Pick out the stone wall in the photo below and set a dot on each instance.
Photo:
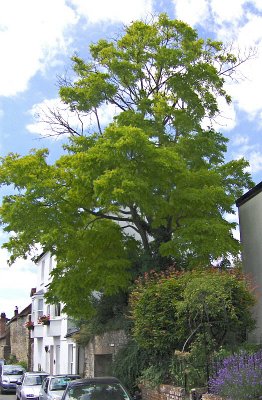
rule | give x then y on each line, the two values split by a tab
208	396
5	348
163	392
106	345
20	339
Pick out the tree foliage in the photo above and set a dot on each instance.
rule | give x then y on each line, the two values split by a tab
151	188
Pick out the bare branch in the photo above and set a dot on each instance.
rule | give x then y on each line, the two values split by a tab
57	124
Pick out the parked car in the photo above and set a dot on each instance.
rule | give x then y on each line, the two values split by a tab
107	388
29	385
10	374
53	386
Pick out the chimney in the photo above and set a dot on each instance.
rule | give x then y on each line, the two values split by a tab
16	310
3	321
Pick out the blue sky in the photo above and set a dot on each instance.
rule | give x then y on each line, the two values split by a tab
37	39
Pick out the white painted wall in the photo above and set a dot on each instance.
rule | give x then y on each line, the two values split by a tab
51	347
250	219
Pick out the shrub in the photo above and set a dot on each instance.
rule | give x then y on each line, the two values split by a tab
239	377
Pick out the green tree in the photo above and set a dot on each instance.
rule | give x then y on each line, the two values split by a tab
151	188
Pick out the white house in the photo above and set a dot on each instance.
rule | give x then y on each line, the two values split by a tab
54	350
250	223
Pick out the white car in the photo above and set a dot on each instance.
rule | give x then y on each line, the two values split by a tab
54	386
9	376
29	385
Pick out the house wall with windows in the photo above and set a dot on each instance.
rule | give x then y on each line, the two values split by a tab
250	224
54	349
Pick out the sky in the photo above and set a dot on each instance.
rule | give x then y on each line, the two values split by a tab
37	40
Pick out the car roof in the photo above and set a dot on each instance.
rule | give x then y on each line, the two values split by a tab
61	375
84	381
36	373
13	366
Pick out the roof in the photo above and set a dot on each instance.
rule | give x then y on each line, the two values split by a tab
71	332
248	195
39	293
26	311
84	381
36	373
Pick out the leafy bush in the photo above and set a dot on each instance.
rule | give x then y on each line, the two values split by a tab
192	313
129	363
170	312
240	377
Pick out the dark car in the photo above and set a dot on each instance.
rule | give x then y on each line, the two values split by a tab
106	388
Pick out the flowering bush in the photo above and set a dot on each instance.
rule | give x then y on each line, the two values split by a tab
44	319
29	325
239	378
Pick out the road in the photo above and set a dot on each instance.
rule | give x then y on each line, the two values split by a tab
7	396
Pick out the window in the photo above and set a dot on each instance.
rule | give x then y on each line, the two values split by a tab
48	310
50	264
40	306
42	271
57	310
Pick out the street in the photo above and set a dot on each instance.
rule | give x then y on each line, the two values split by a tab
7	396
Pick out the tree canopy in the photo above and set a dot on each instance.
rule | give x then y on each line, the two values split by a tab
151	188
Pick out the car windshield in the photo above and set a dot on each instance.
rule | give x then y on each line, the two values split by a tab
97	391
9	370
32	380
59	383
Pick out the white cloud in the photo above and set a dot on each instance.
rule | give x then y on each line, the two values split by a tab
240	140
213	13
114	10
237	22
255	161
227	11
32	33
225	120
191	11
16	282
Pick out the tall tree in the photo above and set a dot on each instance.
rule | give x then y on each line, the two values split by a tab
151	188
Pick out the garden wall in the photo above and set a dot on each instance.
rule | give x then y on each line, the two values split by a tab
163	392
169	392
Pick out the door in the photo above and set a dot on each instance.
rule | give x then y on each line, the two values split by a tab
51	360
103	365
57	358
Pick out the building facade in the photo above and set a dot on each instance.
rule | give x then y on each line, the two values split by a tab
20	339
250	224
5	348
55	351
